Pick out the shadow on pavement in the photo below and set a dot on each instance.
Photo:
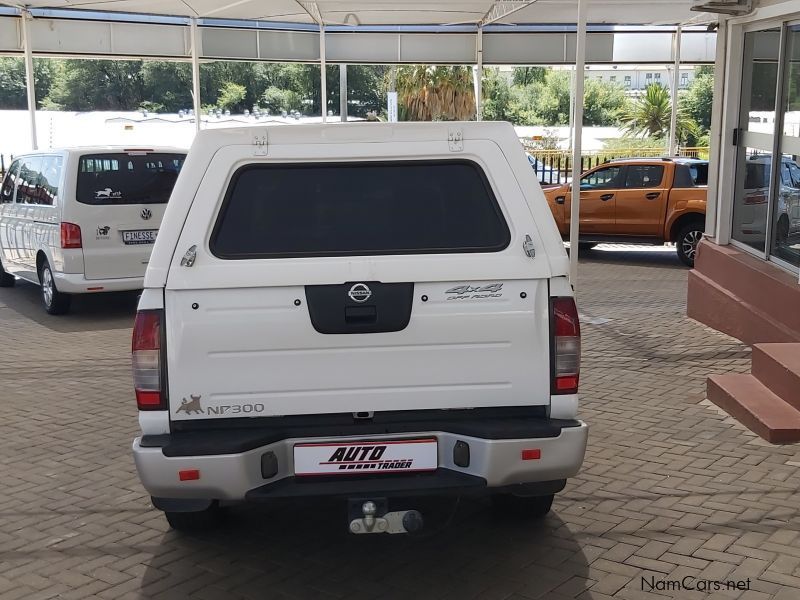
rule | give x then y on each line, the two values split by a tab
89	312
303	550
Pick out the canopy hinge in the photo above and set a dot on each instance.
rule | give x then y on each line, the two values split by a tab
455	139
260	143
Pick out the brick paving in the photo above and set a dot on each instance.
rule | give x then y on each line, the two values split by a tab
671	487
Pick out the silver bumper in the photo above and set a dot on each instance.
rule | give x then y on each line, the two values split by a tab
231	476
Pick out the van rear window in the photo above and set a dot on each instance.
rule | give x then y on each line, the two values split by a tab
122	178
351	209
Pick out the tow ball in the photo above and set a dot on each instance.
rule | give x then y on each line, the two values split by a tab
373	516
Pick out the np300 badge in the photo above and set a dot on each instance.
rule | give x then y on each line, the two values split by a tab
360	292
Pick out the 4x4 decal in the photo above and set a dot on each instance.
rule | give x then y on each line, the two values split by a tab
464	292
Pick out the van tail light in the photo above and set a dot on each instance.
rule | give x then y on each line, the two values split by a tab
71	236
146	358
566	345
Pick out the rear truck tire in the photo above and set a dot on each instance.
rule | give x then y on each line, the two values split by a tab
6	279
528	507
189	515
689	235
201	520
55	302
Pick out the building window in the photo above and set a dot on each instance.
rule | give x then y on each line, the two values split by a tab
648	76
627	81
684	79
658	76
613	78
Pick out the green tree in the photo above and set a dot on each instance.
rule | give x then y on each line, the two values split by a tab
167	86
696	102
603	102
497	97
13	90
277	99
552	104
98	85
524	76
650	116
231	97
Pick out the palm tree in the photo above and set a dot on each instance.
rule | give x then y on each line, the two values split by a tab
650	116
430	93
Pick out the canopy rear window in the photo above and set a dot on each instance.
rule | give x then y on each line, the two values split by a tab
123	178
351	209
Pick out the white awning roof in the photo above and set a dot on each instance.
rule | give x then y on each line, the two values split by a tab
386	12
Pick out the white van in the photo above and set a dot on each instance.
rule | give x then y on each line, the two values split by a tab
83	220
365	310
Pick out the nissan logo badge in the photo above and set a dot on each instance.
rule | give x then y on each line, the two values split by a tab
360	293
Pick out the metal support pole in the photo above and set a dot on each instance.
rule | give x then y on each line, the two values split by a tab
479	75
30	81
575	204
343	92
571	105
323	82
676	76
195	74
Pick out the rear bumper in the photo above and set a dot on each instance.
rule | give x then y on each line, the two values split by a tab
76	283
494	464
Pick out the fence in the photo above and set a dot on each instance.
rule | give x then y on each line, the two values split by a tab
555	166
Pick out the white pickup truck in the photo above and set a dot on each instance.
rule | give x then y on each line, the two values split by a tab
374	311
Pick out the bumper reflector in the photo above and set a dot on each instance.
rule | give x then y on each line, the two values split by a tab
532	454
189	475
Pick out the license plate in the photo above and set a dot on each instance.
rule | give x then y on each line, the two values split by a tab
140	236
358	458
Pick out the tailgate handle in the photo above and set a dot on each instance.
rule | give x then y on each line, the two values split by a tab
360	314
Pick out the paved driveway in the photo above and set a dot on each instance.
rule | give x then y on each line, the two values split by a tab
670	488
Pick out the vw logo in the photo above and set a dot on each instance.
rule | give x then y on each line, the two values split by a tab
360	293
146	214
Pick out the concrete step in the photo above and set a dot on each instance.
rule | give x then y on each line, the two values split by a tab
755	406
777	366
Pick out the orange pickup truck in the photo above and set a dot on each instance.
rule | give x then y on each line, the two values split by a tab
638	200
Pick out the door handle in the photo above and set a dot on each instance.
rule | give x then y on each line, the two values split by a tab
560	200
606	197
652	195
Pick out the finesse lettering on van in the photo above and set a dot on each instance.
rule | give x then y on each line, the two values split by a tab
235	409
468	292
365	458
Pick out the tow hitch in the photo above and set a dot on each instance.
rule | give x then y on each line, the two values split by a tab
372	516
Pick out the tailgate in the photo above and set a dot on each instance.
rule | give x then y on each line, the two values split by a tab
256	352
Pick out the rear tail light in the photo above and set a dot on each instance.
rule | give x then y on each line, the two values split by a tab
71	236
146	358
755	199
566	345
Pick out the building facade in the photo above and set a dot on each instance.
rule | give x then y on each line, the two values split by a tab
746	280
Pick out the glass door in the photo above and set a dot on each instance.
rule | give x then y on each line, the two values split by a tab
785	210
756	138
